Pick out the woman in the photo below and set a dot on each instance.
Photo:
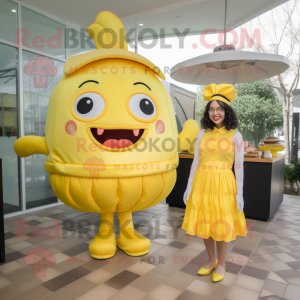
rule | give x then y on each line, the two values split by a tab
214	198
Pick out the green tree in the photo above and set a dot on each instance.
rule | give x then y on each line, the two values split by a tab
259	88
200	104
258	110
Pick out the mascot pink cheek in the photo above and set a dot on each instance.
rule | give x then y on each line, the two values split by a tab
160	127
71	127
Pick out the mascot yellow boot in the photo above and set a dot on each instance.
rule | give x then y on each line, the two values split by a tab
110	137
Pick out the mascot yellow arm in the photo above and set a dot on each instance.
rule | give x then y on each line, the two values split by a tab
187	137
29	145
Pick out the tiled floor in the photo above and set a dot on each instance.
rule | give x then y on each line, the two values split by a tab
265	265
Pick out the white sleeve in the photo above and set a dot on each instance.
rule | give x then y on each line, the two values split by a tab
195	163
238	142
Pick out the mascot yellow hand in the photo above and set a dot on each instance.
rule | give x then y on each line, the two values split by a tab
29	145
110	137
187	137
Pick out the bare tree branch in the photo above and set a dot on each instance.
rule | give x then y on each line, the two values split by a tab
285	26
275	87
280	34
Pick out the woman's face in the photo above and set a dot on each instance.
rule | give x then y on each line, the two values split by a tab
216	113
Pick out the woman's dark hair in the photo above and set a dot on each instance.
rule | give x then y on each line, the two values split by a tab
230	120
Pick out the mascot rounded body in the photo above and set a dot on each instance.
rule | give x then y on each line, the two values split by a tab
110	138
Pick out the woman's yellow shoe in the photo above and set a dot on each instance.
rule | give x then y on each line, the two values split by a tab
217	277
204	271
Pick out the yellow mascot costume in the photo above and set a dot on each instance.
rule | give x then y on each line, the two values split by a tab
102	122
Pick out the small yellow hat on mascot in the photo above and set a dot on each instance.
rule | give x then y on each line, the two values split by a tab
110	137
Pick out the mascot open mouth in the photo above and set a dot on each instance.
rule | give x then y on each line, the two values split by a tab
117	138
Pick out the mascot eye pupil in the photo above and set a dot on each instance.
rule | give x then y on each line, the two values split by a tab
142	106
85	105
89	105
146	107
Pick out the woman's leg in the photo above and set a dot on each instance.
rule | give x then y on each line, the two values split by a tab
210	245
222	253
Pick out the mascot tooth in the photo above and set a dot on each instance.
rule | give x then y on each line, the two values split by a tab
102	122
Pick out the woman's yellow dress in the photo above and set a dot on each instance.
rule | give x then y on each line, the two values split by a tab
211	209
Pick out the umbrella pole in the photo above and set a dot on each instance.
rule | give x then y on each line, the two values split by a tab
137	35
225	22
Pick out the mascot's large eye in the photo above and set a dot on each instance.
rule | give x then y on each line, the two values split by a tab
142	106
89	105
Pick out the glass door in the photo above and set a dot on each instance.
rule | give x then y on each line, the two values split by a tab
9	128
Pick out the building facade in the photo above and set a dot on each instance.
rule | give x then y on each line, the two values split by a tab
34	47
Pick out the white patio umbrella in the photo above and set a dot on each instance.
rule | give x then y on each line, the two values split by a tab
229	66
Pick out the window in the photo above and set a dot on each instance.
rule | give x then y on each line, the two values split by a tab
9	128
79	42
42	33
40	76
8	20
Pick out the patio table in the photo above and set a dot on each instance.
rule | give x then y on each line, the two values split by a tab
263	185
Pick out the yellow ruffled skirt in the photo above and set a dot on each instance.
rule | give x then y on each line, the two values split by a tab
211	210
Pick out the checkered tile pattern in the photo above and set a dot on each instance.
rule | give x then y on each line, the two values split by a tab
47	258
